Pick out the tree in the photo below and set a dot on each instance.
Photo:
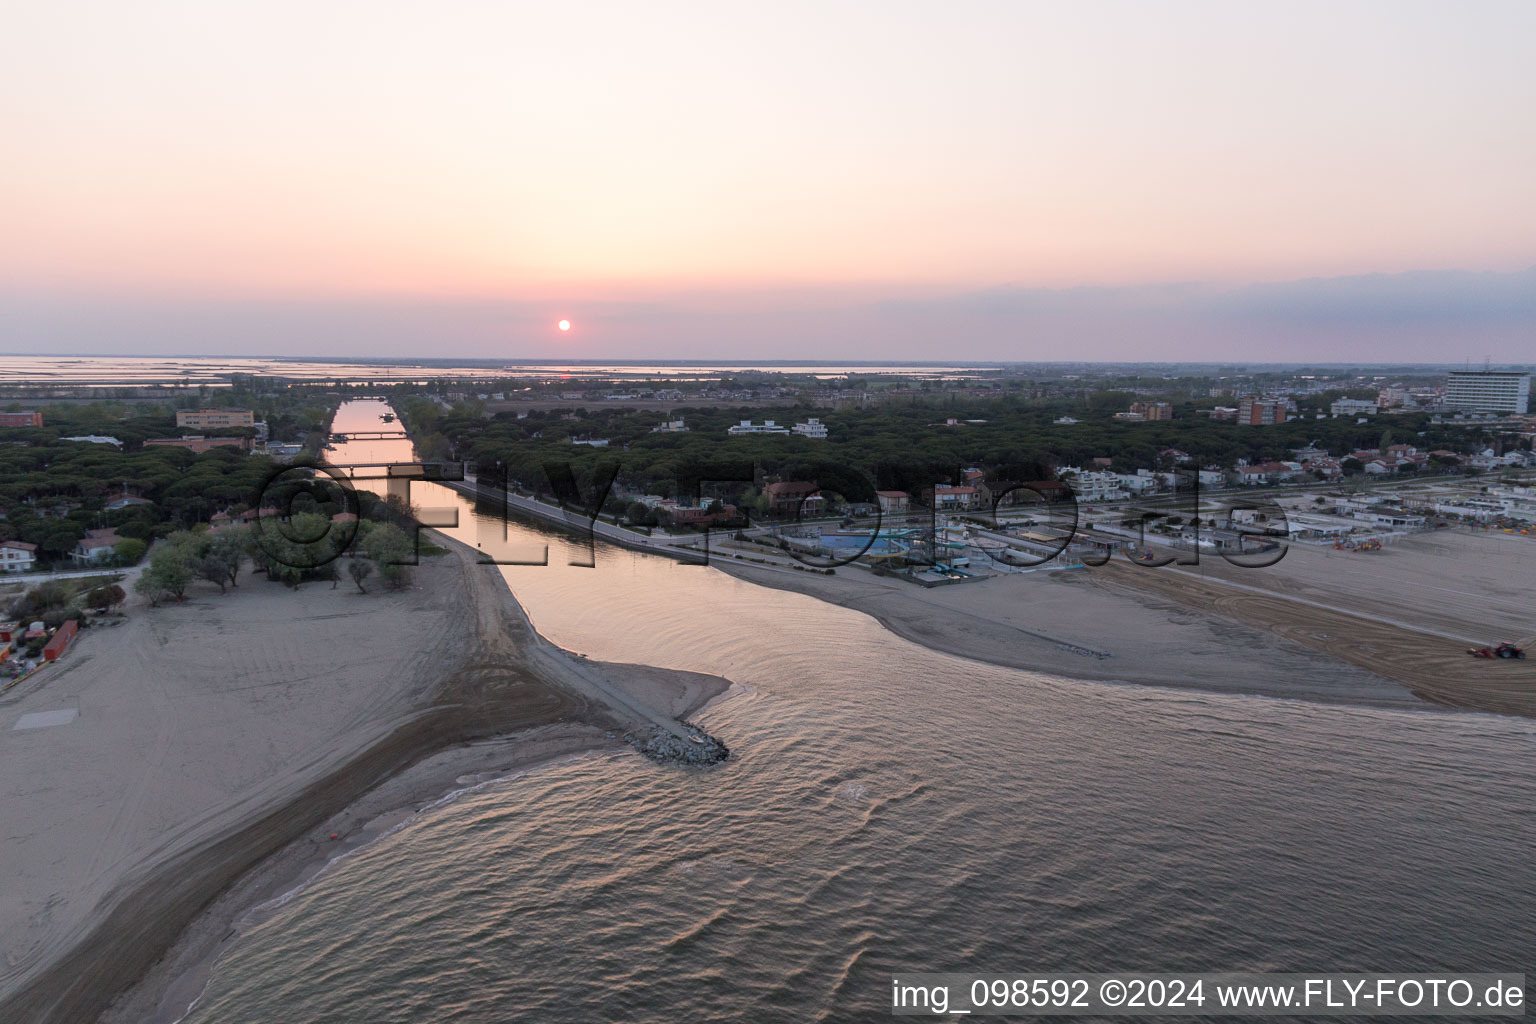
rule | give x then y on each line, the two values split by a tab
209	567
297	550
168	576
129	550
35	603
390	549
56	538
359	570
106	597
220	561
1353	466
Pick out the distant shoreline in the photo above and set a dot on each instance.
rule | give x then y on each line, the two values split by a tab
484	362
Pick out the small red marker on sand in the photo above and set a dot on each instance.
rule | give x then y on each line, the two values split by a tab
335	835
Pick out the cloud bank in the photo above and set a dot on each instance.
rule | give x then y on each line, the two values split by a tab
1429	316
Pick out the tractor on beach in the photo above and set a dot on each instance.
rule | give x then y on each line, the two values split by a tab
1503	650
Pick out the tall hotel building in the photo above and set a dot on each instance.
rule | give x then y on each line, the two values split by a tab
1489	391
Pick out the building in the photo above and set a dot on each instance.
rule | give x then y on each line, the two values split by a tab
1325	467
1025	492
1353	407
695	515
211	419
812	428
21	419
748	427
117	501
1386	515
1488	391
591	442
1212	477
1064	421
95	547
198	443
671	427
17	556
948	499
1260	412
1153	410
1093	484
95	439
56	508
794	497
1267	473
893	501
278	451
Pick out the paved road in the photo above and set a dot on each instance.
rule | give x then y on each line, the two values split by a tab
38	577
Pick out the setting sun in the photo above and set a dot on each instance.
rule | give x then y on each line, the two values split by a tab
564	325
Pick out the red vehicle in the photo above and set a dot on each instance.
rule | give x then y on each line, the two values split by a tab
1504	650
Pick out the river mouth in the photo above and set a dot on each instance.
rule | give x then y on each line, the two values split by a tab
891	808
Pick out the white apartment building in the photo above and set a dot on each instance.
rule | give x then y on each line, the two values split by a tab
811	428
748	427
17	556
1136	483
1489	391
1096	486
1353	407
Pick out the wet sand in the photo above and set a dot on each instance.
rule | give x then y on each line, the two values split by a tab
1387	628
220	742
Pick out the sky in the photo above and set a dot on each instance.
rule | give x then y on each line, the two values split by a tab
1025	180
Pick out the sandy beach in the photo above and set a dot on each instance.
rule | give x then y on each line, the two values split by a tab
215	746
1387	628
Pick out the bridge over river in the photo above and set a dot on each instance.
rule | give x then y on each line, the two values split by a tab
370	435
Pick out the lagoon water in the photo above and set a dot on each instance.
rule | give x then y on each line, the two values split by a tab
890	809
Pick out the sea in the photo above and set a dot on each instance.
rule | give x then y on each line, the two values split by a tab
889	809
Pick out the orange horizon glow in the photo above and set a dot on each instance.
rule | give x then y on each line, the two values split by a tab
746	164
